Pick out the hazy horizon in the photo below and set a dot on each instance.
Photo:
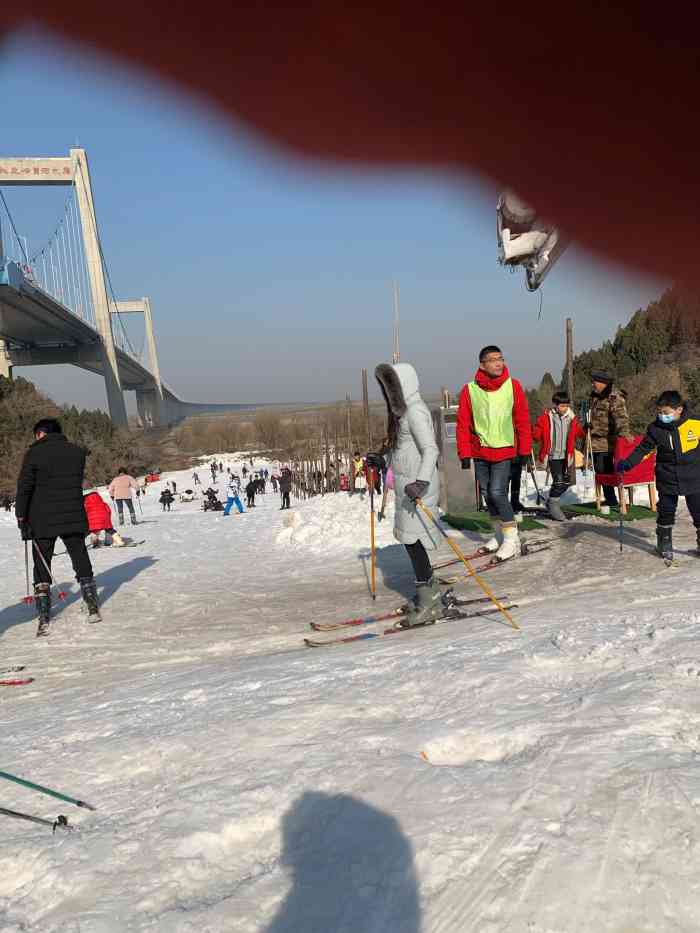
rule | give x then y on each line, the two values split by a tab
271	279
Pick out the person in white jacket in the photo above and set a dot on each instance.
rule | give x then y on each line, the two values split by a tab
120	490
412	456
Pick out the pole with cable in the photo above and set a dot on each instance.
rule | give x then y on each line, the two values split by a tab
472	573
370	479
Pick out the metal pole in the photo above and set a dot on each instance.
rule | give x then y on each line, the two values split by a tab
365	405
570	359
397	349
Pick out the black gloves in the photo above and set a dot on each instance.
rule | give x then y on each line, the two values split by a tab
466	463
25	529
416	489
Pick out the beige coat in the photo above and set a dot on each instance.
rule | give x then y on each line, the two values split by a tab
121	486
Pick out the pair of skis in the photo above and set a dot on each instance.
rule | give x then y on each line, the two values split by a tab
453	612
14	682
528	550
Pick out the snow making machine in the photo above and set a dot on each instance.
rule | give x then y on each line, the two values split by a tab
457	486
526	240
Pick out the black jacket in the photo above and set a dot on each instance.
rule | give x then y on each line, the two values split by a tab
50	488
286	481
677	448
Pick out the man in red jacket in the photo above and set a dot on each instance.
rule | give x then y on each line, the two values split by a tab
493	428
557	431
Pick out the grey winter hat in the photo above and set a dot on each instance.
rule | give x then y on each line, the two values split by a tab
599	376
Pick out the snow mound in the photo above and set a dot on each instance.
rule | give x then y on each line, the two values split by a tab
336	522
465	746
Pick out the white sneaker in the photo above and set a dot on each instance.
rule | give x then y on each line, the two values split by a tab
511	542
493	544
519	517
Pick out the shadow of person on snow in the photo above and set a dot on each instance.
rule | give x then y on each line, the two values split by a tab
108	582
352	869
394	567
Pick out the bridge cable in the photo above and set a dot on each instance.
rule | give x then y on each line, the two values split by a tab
14	228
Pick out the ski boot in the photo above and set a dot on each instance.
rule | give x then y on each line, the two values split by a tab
89	590
94	541
427	608
511	542
664	542
555	510
117	540
493	544
42	597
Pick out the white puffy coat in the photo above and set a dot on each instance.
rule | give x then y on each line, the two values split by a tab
415	455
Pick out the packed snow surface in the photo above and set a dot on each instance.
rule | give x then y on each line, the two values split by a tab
464	777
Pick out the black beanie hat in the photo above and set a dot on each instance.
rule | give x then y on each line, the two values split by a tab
599	376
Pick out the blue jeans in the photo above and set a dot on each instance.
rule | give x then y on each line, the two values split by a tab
231	501
493	480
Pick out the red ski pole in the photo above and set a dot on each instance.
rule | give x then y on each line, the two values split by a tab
28	599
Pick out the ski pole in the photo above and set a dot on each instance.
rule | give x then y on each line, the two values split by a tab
465	561
45	790
60	821
385	492
531	467
373	544
29	599
61	593
620	494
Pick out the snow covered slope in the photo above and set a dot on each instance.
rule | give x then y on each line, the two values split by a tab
460	778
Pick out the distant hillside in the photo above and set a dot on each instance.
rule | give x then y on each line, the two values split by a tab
22	405
659	348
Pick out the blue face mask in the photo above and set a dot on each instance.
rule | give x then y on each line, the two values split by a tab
666	419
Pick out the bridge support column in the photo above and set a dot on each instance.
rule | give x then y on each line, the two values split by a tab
5	364
98	287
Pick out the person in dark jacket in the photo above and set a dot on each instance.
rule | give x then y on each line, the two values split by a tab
607	420
250	491
675	436
286	487
49	506
166	499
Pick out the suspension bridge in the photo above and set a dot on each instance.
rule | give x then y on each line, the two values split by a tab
58	306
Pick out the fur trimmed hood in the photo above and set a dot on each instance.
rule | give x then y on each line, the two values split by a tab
399	382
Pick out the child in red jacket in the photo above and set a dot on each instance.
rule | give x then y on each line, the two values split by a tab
99	516
557	431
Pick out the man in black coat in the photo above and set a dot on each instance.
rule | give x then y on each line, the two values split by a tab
285	487
50	505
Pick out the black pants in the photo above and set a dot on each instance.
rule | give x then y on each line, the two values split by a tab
422	568
560	478
516	477
251	502
666	509
75	545
605	463
285	500
120	509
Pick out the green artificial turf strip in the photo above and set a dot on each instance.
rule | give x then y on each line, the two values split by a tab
480	521
634	512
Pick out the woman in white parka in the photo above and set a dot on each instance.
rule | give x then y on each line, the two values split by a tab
412	454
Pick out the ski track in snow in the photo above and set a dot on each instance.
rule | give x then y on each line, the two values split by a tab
458	778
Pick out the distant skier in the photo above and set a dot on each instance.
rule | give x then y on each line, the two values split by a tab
412	455
49	504
99	518
174	484
250	491
120	490
557	431
232	498
285	487
273	480
244	471
166	499
196	479
675	436
493	428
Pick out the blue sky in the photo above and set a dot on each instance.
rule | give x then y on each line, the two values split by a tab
270	280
